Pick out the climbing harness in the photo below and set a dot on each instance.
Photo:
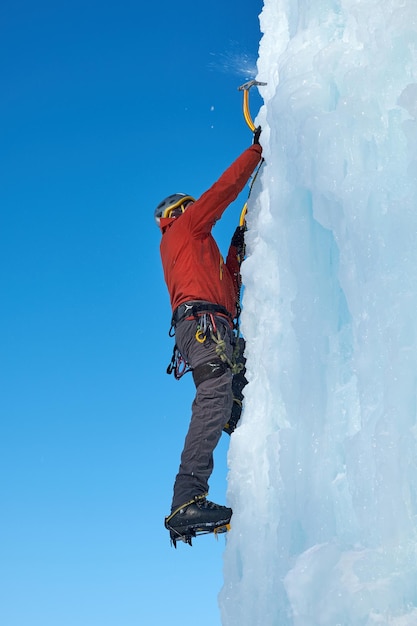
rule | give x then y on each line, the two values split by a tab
194	307
207	329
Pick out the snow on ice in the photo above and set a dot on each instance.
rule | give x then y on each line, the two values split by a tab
323	468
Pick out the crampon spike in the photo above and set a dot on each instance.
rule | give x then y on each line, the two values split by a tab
190	534
221	529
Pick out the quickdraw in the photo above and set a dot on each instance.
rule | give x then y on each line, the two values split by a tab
178	365
203	326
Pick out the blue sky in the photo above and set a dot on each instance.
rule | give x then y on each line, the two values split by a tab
106	108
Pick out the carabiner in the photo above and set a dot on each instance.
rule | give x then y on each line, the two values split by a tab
200	335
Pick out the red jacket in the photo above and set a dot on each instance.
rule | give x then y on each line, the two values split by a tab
193	267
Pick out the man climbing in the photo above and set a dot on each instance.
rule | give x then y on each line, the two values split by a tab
203	290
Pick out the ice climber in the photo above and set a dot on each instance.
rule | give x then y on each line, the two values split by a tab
203	290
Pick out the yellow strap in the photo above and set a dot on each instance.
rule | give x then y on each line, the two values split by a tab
201	497
221	529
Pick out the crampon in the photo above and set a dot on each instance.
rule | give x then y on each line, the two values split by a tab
188	534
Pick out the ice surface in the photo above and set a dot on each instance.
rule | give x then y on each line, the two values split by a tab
323	468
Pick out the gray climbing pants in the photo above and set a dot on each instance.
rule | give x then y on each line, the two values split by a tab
210	410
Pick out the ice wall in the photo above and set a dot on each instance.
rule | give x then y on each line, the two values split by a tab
323	468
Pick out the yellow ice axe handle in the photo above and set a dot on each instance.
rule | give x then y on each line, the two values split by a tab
246	112
243	214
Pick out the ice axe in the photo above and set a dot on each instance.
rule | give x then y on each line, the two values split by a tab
245	88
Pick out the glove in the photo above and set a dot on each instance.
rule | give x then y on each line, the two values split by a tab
238	241
257	134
